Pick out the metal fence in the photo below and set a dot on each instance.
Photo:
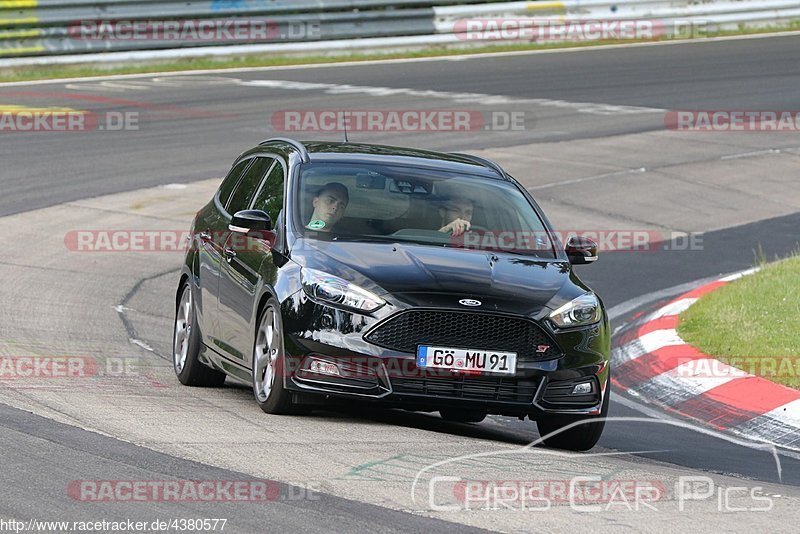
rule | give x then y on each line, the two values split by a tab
710	15
77	27
47	27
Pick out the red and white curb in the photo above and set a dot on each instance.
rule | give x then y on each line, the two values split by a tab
653	362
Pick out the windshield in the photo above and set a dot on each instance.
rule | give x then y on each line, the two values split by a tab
397	203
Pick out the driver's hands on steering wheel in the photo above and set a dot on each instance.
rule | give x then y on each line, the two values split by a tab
457	227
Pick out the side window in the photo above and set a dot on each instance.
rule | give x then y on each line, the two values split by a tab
270	196
230	181
246	189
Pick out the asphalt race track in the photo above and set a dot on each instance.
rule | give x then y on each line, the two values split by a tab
594	150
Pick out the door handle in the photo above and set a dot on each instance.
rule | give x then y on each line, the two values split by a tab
230	254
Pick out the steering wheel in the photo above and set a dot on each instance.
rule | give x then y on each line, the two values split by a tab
477	228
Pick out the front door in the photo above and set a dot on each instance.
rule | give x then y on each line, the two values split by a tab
247	264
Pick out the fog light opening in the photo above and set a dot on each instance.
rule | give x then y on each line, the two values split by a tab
321	367
584	388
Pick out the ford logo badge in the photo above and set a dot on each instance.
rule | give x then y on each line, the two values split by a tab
470	302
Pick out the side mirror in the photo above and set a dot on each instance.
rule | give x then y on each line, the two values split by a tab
247	221
581	250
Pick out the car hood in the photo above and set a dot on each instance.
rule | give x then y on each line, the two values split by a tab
419	275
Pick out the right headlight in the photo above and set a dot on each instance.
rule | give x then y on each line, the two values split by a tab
334	290
582	311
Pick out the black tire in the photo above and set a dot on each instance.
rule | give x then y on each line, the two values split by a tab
457	415
277	400
186	337
580	437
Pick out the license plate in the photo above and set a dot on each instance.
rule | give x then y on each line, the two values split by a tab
485	361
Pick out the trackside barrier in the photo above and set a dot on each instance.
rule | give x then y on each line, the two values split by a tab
49	27
694	16
121	30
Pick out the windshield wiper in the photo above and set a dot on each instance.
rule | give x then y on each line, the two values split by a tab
385	239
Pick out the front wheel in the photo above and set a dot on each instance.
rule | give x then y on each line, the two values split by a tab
269	363
581	437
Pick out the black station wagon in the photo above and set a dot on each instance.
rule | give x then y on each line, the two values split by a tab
416	279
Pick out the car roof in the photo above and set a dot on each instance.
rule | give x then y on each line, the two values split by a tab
319	151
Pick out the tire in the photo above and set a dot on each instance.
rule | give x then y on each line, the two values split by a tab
269	362
456	415
186	345
580	437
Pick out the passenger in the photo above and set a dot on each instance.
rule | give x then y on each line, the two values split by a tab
329	204
456	215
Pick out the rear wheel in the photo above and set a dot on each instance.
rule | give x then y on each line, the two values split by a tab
269	363
186	345
457	415
581	437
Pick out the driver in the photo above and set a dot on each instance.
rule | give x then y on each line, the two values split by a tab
329	204
456	215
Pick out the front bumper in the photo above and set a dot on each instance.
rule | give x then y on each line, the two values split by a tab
335	339
420	389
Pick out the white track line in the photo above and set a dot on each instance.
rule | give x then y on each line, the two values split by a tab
646	344
673	308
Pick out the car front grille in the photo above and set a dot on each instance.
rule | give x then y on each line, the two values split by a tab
485	388
456	329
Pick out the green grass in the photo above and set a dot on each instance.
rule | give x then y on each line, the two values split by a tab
271	60
752	323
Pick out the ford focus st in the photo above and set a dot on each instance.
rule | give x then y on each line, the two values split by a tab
420	280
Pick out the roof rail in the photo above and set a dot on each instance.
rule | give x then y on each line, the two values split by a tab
296	144
485	162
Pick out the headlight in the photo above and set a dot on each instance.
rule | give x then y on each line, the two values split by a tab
329	288
582	311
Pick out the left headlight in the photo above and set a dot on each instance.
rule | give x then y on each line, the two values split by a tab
582	311
332	289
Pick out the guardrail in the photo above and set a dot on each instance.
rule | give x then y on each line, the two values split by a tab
707	15
141	29
46	27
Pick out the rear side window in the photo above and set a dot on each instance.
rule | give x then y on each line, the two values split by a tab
270	196
230	181
248	185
